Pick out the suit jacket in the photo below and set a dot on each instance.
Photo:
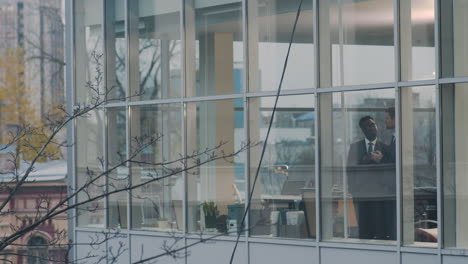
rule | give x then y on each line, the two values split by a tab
358	155
391	153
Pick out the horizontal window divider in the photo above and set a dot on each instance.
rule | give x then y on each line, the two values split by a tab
420	250
213	98
122	104
453	80
154	102
356	87
359	246
161	234
214	237
455	252
283	92
283	241
416	83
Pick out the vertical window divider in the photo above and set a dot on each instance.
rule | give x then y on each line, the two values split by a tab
398	172
245	38
183	117
316	52
128	117
438	106
106	85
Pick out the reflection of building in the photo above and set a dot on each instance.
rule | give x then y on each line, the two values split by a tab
46	185
209	71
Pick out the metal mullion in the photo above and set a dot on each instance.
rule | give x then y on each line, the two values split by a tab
285	92
71	128
440	220
104	111
452	80
128	119
416	83
212	98
356	87
245	36
316	29
398	171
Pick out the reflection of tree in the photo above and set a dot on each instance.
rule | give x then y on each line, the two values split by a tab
150	66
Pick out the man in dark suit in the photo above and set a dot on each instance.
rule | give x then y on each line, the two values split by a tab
369	150
367	183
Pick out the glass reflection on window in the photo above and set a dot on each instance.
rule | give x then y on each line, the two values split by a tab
283	203
358	166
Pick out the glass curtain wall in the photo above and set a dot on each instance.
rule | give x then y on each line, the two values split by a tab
216	190
155	60
271	23
419	170
368	121
157	204
358	173
356	42
283	203
215	47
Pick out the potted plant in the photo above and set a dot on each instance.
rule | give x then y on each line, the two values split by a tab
210	210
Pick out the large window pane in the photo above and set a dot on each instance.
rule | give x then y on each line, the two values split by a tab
117	178
155	26
454	38
89	152
116	49
88	47
271	23
419	179
455	164
214	47
216	190
157	205
283	203
417	40
356	42
357	166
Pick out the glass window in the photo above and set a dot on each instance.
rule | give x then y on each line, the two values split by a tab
88	47
455	164
358	182
216	190
270	27
454	38
118	178
417	40
155	26
419	174
89	152
215	50
283	203
157	205
116	49
356	42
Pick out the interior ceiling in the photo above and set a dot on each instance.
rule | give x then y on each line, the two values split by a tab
364	22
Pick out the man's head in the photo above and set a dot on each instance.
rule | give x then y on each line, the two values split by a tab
390	118
368	127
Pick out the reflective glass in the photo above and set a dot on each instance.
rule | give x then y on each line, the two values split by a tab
88	44
117	178
283	203
358	182
157	204
216	190
417	40
356	42
215	50
455	164
419	179
454	38
89	152
116	49
155	26
270	26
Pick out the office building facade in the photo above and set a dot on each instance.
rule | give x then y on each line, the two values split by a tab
365	158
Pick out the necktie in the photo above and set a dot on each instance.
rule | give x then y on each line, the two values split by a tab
369	149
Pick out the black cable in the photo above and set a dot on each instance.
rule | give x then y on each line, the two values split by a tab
268	132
